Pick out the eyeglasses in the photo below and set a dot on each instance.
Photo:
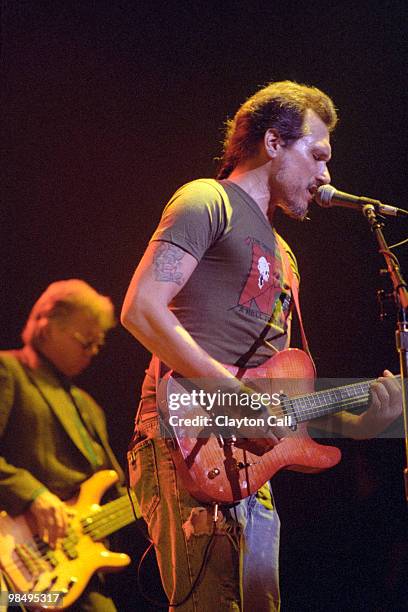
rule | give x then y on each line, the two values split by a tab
88	345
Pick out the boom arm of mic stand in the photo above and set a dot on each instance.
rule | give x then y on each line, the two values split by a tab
401	333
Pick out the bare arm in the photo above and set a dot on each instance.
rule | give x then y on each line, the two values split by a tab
160	275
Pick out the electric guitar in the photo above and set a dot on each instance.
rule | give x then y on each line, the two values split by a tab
31	566
220	467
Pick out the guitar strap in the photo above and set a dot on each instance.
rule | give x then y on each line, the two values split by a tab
294	288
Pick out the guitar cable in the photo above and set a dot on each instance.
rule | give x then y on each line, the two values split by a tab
196	581
206	556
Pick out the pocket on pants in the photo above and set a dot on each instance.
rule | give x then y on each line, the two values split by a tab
143	477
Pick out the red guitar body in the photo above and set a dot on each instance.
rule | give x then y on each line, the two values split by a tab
214	471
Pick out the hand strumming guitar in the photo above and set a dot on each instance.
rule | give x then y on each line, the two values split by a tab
51	516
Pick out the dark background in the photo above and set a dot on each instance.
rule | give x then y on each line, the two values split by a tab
108	107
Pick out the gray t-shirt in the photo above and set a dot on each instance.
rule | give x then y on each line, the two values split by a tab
239	291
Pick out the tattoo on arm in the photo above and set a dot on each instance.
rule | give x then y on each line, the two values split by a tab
167	262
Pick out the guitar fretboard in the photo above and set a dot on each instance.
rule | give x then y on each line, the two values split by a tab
109	518
323	403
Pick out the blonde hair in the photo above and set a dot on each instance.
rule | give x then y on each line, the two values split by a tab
61	299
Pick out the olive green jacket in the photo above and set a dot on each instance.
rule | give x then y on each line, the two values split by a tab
40	446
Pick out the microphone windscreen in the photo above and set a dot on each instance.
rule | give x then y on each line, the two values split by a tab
324	195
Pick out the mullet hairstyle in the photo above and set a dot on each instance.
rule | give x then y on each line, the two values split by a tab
61	299
281	105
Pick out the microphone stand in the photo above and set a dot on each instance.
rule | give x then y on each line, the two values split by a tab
401	333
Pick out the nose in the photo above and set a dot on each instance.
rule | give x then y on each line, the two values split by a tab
324	177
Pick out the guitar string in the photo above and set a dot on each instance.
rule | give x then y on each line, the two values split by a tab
312	413
327	396
346	392
342	389
45	553
327	392
351	405
42	553
363	385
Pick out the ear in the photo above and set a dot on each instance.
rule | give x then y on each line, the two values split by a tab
272	142
43	328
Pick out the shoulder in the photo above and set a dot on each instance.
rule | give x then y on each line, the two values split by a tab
11	379
202	186
10	362
195	217
198	195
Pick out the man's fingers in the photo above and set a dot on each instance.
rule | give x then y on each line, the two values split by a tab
51	516
392	382
393	387
41	531
379	395
58	524
386	398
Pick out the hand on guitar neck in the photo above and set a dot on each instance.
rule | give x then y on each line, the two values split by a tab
384	407
386	400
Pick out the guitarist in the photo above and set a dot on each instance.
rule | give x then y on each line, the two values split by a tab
53	434
213	288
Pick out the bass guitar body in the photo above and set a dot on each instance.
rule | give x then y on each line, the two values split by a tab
33	568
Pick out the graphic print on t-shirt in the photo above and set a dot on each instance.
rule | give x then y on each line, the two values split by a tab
264	283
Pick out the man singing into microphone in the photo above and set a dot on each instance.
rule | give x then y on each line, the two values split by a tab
214	287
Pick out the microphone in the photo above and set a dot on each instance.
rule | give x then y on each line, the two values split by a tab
327	196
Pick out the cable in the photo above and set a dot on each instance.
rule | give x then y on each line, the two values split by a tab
196	581
206	555
398	244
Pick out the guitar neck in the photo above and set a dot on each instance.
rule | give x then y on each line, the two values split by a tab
331	401
109	518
